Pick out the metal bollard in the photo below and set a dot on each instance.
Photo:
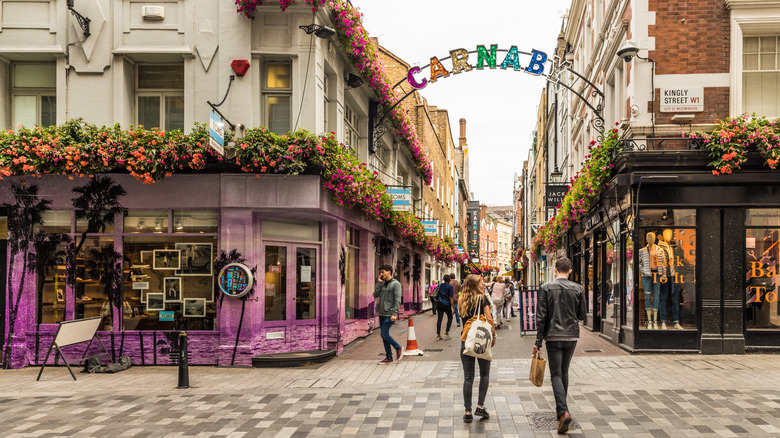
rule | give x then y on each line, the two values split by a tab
184	372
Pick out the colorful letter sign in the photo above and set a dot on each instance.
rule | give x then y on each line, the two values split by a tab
235	280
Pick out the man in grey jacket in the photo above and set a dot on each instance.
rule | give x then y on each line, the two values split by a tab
388	290
560	306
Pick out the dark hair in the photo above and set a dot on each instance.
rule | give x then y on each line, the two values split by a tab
563	265
452	277
446	279
387	268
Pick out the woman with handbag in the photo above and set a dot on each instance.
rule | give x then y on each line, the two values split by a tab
474	305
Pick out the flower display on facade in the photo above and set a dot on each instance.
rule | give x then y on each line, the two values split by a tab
585	188
77	148
732	138
248	7
362	53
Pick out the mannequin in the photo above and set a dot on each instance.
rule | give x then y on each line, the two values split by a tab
676	285
653	266
666	287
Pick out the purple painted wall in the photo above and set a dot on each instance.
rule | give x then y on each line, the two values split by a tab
243	201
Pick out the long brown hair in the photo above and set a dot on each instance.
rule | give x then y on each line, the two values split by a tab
469	295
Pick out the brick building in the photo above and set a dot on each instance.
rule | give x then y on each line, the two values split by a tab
682	66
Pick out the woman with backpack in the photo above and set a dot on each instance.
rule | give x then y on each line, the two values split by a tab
473	301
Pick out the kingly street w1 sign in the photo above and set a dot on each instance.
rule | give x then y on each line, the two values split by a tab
682	99
217	133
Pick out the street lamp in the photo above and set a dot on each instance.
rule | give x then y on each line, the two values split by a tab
629	51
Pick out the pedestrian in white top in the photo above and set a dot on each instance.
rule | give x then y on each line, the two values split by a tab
497	294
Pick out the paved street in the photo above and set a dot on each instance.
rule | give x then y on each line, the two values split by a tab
613	394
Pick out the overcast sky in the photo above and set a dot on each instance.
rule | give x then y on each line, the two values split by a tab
499	105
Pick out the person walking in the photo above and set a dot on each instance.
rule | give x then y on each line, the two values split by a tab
510	294
444	304
432	296
498	294
455	291
388	290
472	301
560	307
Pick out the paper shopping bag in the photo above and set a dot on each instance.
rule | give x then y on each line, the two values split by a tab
537	369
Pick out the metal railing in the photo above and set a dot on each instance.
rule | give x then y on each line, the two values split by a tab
658	144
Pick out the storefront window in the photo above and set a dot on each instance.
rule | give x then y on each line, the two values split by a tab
49	271
146	221
94	263
275	283
761	269
629	264
589	285
169	282
612	283
54	222
352	274
305	285
195	221
667	268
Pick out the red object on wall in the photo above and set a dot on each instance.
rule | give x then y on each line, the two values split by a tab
240	66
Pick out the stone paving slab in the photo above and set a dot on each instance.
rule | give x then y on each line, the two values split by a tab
610	396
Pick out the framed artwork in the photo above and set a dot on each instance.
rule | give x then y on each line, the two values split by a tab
144	292
172	289
155	301
196	258
194	307
146	257
166	259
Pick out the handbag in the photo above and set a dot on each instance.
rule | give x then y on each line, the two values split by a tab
537	369
479	338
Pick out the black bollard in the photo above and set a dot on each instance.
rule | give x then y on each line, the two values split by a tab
184	371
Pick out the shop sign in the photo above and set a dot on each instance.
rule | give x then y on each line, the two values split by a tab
216	133
402	199
165	315
140	285
554	195
682	99
431	227
235	280
486	57
276	269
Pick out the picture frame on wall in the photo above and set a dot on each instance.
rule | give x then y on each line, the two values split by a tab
172	289
155	301
194	307
196	259
166	260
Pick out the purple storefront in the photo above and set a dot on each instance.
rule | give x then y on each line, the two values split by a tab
315	270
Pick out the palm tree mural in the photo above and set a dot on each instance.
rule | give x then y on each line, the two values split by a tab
23	216
48	255
104	265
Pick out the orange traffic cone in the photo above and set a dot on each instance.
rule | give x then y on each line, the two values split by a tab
411	342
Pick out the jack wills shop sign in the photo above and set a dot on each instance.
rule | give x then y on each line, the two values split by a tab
554	195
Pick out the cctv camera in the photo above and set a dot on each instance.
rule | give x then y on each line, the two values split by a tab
628	51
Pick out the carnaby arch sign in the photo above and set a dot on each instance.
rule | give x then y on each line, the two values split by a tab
419	77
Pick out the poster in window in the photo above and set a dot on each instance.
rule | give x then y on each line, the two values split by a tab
155	302
196	259
194	307
172	288
167	259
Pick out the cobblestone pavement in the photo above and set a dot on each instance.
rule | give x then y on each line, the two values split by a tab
612	394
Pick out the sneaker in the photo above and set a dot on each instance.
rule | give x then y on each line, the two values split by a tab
563	423
447	335
384	361
399	354
468	418
677	326
482	413
663	326
438	337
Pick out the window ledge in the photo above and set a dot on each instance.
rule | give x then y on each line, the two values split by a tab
751	4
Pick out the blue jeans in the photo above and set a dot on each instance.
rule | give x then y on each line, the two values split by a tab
647	282
666	291
385	324
457	314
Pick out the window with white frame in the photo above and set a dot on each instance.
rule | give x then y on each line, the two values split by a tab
159	95
277	96
34	94
326	104
761	75
351	130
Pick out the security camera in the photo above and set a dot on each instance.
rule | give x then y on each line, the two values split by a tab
628	51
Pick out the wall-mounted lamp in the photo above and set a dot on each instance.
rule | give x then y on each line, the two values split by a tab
630	50
319	30
682	118
352	81
83	21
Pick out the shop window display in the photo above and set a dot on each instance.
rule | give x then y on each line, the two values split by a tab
169	282
667	270
612	283
352	274
761	269
629	266
275	283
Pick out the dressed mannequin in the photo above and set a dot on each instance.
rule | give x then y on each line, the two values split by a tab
676	283
653	266
666	287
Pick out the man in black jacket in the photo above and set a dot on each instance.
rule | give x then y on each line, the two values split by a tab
560	306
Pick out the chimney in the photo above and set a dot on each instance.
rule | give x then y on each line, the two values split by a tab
462	140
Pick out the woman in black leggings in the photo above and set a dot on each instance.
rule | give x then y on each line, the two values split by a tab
472	299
